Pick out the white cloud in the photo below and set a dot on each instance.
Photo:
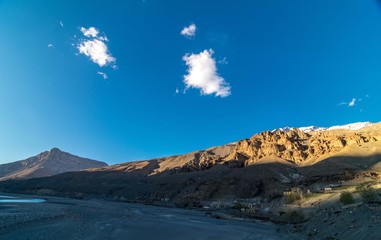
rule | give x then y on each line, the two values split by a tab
97	51
90	32
104	75
95	48
352	103
189	31
177	91
202	74
61	24
50	45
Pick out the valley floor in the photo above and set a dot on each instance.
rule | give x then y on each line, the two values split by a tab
62	218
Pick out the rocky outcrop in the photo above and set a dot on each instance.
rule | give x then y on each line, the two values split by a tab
297	146
45	164
292	145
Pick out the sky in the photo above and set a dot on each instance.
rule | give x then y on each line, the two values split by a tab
121	81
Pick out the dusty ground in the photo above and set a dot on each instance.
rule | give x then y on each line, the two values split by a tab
61	218
329	219
352	223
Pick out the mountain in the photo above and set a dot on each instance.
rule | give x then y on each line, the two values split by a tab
300	146
303	148
45	164
262	166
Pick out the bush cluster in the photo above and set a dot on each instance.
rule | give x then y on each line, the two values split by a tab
296	194
368	194
346	198
295	216
238	206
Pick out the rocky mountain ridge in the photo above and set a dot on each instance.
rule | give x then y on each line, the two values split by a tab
298	146
262	166
294	146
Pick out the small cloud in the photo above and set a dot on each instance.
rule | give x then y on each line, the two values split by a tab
95	48
202	74
189	31
104	75
177	91
356	102
97	51
352	103
50	45
90	32
61	24
223	61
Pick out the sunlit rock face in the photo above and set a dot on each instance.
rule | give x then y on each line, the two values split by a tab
301	147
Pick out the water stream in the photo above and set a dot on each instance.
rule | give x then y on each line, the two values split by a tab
11	199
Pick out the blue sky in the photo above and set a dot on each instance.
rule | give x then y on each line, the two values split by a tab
244	67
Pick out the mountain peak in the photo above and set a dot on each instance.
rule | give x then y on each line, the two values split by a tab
55	149
47	163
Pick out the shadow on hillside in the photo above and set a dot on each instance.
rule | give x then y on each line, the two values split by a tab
341	168
216	182
191	188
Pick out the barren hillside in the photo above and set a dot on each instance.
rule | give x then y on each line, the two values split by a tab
47	163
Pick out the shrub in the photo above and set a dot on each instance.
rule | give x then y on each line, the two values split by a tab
365	185
292	197
295	216
346	198
368	194
238	205
296	194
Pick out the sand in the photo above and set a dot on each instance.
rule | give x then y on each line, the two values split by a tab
63	218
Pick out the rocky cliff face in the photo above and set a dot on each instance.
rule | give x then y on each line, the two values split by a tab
299	147
45	164
292	145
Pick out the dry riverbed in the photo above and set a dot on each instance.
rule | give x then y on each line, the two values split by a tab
62	218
